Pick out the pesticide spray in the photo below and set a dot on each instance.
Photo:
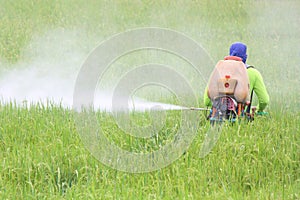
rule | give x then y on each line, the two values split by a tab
48	74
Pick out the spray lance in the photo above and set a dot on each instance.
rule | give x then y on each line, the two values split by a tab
141	104
194	108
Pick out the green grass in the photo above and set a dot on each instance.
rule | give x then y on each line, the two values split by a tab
43	157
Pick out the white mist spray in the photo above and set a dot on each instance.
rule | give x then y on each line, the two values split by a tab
49	71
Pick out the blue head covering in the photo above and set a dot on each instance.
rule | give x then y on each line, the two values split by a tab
240	50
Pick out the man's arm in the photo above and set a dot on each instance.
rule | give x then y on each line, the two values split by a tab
257	83
206	99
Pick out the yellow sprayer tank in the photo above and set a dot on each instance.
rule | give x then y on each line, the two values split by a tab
229	78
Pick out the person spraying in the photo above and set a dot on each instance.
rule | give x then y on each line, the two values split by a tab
229	89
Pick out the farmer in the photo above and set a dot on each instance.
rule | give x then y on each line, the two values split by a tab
256	81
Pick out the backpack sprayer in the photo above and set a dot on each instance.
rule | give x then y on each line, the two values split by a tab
228	89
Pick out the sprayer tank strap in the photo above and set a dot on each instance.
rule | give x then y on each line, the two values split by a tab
251	95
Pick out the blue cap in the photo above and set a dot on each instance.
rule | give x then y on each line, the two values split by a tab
240	50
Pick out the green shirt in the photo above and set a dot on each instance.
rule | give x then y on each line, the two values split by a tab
256	84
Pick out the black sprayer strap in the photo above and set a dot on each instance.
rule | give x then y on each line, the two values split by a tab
249	106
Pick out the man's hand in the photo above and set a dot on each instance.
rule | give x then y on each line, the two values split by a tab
262	113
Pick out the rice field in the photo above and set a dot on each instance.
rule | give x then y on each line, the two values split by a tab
44	156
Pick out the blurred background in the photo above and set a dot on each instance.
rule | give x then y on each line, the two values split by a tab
44	43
